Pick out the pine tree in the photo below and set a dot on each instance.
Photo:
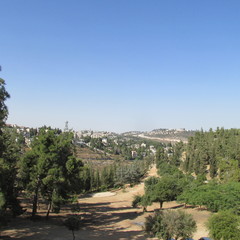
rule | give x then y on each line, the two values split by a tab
9	156
50	169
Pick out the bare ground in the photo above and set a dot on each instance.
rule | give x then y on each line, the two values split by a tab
107	216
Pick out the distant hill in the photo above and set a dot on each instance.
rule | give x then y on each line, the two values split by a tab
159	135
163	135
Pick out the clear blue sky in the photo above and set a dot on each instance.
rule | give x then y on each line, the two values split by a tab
121	65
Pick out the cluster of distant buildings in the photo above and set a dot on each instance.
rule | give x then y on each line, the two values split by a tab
105	136
166	131
94	134
114	137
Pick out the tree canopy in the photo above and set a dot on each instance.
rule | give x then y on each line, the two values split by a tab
50	168
224	225
170	224
10	153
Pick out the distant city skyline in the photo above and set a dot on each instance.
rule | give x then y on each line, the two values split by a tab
121	65
96	130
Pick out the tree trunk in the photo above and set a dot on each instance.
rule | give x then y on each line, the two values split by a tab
49	209
73	234
35	199
161	204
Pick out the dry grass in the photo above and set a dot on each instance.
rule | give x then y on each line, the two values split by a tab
109	218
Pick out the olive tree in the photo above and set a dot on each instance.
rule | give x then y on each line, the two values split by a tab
169	224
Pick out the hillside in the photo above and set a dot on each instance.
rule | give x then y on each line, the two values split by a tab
163	135
88	155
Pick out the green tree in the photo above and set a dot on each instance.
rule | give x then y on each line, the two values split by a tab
167	169
143	201
130	173
50	169
154	226
107	177
177	154
167	189
4	95
224	226
161	156
178	224
85	176
9	156
214	196
150	184
136	200
214	152
229	170
170	224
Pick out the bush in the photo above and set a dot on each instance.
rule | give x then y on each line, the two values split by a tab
170	224
136	201
224	225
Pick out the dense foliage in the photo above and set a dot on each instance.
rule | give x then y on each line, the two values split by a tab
224	226
204	172
114	175
9	156
50	169
170	224
214	196
215	151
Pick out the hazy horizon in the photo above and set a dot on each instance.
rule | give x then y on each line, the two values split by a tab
105	130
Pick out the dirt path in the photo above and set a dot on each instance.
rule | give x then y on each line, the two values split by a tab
112	217
105	216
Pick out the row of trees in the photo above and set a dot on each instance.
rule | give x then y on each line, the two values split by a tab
185	189
214	196
114	175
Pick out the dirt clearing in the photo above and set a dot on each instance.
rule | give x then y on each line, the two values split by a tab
107	216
